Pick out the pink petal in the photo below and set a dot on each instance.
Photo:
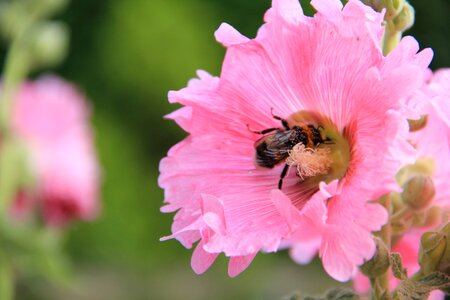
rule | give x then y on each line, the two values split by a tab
304	252
441	105
202	260
228	36
283	205
239	263
329	8
288	10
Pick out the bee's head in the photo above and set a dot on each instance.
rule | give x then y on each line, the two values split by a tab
320	137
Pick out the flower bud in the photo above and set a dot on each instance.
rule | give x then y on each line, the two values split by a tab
418	192
50	42
432	250
444	264
416	125
405	19
379	263
393	8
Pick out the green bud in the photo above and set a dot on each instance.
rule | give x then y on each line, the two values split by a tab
393	8
432	249
423	166
49	44
416	125
379	263
418	192
405	19
444	264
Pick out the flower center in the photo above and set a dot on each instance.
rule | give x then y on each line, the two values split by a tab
325	162
309	162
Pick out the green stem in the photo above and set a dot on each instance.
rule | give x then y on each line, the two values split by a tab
6	279
391	38
17	65
376	293
385	234
16	68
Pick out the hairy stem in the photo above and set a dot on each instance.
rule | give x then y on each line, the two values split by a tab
382	282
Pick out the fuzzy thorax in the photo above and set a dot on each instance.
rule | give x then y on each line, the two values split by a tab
309	162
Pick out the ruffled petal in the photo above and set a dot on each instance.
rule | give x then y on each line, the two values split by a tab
238	264
202	260
228	36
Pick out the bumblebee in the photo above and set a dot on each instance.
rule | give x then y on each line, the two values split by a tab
273	148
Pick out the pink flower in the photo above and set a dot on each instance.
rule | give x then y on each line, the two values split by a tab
52	118
433	145
327	71
433	141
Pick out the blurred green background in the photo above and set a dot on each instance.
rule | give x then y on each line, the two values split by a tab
126	56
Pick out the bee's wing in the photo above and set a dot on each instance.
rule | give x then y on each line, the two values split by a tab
280	141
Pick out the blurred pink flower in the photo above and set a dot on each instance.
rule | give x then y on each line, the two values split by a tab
327	70
432	143
52	118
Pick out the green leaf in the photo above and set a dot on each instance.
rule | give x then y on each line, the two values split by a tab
397	267
341	294
333	294
436	281
420	289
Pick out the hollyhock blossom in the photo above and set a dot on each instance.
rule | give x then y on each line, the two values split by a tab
433	141
327	71
52	119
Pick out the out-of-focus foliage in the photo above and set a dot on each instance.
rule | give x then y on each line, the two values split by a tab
126	55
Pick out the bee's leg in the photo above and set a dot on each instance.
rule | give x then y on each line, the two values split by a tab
263	131
283	121
283	174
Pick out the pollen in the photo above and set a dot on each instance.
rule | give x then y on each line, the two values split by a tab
309	162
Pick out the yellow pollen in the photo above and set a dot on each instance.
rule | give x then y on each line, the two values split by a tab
309	162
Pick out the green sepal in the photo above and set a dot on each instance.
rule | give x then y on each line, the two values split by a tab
420	289
397	266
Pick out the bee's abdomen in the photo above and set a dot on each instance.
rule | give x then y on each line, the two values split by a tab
267	157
